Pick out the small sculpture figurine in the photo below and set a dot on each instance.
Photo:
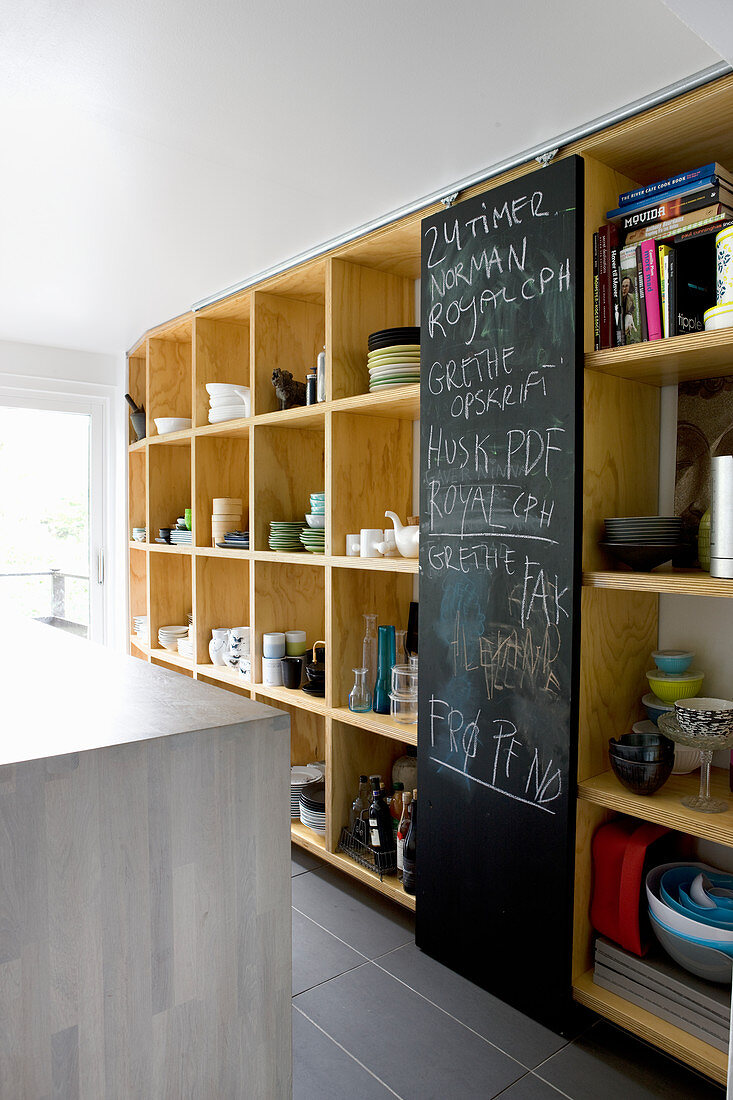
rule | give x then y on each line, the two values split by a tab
290	393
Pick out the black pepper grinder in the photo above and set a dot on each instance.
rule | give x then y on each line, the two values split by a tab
310	390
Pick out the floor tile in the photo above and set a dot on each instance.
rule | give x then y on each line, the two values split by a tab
419	1051
317	955
322	1071
530	1088
606	1063
302	861
502	1025
354	913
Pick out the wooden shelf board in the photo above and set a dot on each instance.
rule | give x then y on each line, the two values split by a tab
681	582
696	1053
178	328
382	565
667	362
286	557
133	448
171	658
665	806
135	545
218	552
390	887
401	403
163	548
305	416
134	640
172	439
225	676
382	724
231	428
294	697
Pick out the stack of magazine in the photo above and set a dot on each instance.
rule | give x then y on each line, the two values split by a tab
654	259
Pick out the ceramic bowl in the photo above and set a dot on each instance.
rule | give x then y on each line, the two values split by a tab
314	519
641	777
671	688
705	716
642	747
706	962
685	760
655	707
166	424
673	660
679	923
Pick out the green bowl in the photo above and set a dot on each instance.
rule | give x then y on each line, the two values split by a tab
670	688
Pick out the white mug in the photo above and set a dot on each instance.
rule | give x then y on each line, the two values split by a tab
238	645
353	543
273	644
369	538
272	671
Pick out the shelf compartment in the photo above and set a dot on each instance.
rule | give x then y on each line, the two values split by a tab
667	362
354	592
356	752
170	385
291	698
287	334
675	1042
171	597
307	730
222	599
169	492
221	354
361	300
138	583
137	480
370	472
137	369
287	596
288	467
221	469
678	582
665	807
382	724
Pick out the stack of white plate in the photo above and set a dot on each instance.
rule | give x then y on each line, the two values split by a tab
140	626
227	401
168	636
181	536
300	776
313	806
185	645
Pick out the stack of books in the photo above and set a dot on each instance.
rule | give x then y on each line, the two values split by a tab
654	259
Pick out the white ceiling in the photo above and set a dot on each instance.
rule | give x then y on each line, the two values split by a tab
154	154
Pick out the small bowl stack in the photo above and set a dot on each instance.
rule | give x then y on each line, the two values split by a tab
689	907
642	762
394	358
169	636
140	625
227	401
226	516
138	534
643	542
671	680
403	697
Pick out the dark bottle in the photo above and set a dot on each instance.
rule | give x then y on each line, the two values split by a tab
381	837
408	852
311	393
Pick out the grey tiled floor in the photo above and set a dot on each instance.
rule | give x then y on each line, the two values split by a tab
373	1017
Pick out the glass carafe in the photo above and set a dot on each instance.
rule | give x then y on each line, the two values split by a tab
369	650
360	697
400	651
385	661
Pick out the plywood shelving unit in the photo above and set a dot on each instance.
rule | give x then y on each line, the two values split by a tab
359	448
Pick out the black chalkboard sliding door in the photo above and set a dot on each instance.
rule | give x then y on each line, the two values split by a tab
501	477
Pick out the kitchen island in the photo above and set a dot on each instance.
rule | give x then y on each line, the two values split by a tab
145	921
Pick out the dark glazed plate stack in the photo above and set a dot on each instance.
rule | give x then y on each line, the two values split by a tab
643	542
313	806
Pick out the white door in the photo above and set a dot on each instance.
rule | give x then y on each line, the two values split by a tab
52	480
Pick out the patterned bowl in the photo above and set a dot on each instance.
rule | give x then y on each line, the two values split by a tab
705	716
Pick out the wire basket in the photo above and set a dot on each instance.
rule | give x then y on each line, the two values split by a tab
379	863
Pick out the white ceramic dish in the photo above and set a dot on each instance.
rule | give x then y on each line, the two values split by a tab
675	921
167	424
314	519
226	399
229	412
226	389
718	317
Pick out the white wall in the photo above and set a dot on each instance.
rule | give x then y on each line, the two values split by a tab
44	369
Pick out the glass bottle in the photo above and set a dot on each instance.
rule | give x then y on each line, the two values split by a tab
360	697
359	811
408	852
369	650
357	806
403	828
395	806
381	838
385	661
400	651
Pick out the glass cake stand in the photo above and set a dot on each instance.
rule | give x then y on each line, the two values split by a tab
707	744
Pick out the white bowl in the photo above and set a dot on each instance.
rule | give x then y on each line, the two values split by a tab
314	520
226	399
675	921
167	424
718	317
685	760
227	389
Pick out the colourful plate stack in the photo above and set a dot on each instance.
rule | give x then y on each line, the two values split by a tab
285	534
313	539
394	358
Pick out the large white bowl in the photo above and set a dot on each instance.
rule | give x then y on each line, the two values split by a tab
675	921
226	389
166	424
314	520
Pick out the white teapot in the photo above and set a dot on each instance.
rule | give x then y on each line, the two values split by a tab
407	538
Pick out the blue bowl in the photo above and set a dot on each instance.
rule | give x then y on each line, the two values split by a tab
673	891
655	707
673	660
